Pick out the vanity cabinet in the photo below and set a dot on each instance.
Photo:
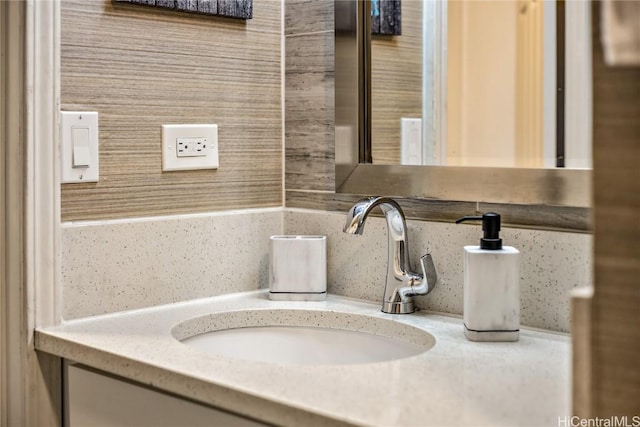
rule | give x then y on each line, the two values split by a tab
100	400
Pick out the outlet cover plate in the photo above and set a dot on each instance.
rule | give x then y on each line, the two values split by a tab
174	157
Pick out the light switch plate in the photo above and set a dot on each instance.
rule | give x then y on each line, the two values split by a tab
79	136
186	147
410	141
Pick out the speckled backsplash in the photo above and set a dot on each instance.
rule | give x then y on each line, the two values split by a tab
142	263
552	263
111	266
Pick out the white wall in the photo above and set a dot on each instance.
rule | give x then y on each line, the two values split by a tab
482	82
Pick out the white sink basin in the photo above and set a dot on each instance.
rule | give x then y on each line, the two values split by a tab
303	337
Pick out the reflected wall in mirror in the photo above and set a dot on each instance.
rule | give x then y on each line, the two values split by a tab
497	83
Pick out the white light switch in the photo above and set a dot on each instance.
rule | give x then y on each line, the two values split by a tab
79	136
186	147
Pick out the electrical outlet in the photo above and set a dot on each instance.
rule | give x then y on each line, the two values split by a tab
189	147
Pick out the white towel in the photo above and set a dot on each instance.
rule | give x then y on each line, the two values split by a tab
621	31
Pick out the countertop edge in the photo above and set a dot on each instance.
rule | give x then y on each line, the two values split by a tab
242	403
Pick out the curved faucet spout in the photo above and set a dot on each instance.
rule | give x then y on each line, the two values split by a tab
363	207
401	283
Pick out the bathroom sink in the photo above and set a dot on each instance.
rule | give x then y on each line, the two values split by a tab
303	337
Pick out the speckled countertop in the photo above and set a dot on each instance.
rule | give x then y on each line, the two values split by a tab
456	383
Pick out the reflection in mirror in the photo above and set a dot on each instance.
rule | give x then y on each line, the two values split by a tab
498	83
357	172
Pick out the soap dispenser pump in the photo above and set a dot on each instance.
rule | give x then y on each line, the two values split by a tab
491	285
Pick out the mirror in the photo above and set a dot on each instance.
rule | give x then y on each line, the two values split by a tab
482	83
442	75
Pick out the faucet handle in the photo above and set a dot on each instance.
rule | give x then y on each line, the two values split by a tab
428	272
421	284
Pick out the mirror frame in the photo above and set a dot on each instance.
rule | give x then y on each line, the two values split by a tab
356	174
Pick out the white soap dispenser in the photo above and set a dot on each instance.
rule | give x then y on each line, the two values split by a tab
491	285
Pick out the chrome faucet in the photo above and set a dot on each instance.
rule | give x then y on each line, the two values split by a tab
402	284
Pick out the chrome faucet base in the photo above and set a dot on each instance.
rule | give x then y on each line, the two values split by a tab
398	307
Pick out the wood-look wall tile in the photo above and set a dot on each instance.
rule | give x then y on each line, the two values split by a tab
309	112
140	69
521	216
310	53
308	16
396	83
329	201
419	209
616	157
561	218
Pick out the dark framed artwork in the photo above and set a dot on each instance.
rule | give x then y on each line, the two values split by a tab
386	17
241	9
